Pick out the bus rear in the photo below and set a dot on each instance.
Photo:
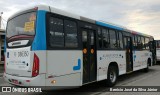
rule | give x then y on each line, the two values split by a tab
24	49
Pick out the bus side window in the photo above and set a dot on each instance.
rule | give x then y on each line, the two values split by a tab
70	34
139	43
147	43
113	42
56	32
120	40
143	43
135	42
105	38
158	44
100	37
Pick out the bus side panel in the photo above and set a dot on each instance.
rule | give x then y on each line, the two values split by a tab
140	59
69	81
65	67
158	54
104	58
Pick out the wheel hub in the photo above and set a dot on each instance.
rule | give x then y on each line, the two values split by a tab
112	76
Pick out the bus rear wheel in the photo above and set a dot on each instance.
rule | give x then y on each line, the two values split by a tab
147	68
111	76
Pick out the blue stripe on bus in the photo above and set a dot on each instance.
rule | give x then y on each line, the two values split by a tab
108	25
78	67
39	42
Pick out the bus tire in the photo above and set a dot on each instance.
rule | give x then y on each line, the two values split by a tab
147	68
112	76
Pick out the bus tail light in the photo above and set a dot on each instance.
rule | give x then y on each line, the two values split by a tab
35	68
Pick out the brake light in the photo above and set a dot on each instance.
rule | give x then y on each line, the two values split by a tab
35	68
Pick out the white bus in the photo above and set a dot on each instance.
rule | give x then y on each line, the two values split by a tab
158	50
46	46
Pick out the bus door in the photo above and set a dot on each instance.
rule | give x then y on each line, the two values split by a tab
89	55
129	59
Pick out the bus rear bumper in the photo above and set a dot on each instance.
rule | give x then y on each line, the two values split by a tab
25	81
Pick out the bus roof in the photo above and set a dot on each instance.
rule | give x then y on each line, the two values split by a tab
68	14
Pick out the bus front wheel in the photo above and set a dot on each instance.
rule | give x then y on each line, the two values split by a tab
111	76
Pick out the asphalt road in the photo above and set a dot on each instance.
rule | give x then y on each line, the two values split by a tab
139	78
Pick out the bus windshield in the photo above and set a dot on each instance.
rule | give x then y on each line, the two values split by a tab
22	25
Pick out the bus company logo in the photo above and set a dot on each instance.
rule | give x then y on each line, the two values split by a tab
6	89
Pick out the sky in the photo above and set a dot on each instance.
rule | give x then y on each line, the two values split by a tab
138	15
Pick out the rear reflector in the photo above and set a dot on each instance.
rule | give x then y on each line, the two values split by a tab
27	80
50	76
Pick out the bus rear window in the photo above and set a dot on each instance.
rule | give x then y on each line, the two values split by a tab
22	25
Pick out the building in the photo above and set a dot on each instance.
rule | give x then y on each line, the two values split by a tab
2	39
